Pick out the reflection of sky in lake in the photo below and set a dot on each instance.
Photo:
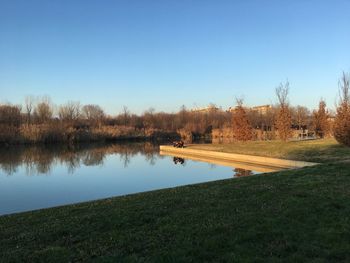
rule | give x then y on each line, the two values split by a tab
114	176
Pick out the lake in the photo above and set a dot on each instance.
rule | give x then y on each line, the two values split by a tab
35	177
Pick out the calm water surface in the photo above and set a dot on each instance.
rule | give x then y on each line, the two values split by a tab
41	177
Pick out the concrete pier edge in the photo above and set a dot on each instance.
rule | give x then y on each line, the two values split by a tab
251	159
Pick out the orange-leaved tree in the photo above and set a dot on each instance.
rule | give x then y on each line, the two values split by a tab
284	116
242	129
342	118
320	120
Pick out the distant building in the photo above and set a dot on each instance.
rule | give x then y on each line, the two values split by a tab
263	109
210	108
331	118
231	109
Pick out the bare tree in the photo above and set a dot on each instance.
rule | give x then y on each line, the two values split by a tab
10	115
148	118
269	120
29	105
344	96
183	113
282	92
43	110
300	116
126	115
342	118
69	111
10	120
92	112
284	119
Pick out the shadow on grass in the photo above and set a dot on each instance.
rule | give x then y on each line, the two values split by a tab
290	216
321	154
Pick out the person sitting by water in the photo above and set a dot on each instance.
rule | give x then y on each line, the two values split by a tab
178	144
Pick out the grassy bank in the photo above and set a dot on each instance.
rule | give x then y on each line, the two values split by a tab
322	151
295	216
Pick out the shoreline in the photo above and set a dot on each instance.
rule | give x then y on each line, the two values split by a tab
101	140
153	225
243	159
186	223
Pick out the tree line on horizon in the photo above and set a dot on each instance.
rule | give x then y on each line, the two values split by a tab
39	120
39	160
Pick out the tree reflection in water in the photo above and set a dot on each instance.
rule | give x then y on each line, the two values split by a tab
40	159
239	172
179	160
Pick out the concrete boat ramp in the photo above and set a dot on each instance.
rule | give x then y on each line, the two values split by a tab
247	162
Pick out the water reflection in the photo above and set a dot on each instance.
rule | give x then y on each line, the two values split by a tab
179	160
239	172
99	171
39	160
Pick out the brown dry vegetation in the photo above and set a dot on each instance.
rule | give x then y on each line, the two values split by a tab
40	121
59	132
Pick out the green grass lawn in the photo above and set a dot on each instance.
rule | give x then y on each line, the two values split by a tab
294	216
322	151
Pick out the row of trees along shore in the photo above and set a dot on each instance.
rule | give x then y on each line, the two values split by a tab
38	120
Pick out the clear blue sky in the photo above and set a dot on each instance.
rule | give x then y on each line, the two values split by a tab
168	53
